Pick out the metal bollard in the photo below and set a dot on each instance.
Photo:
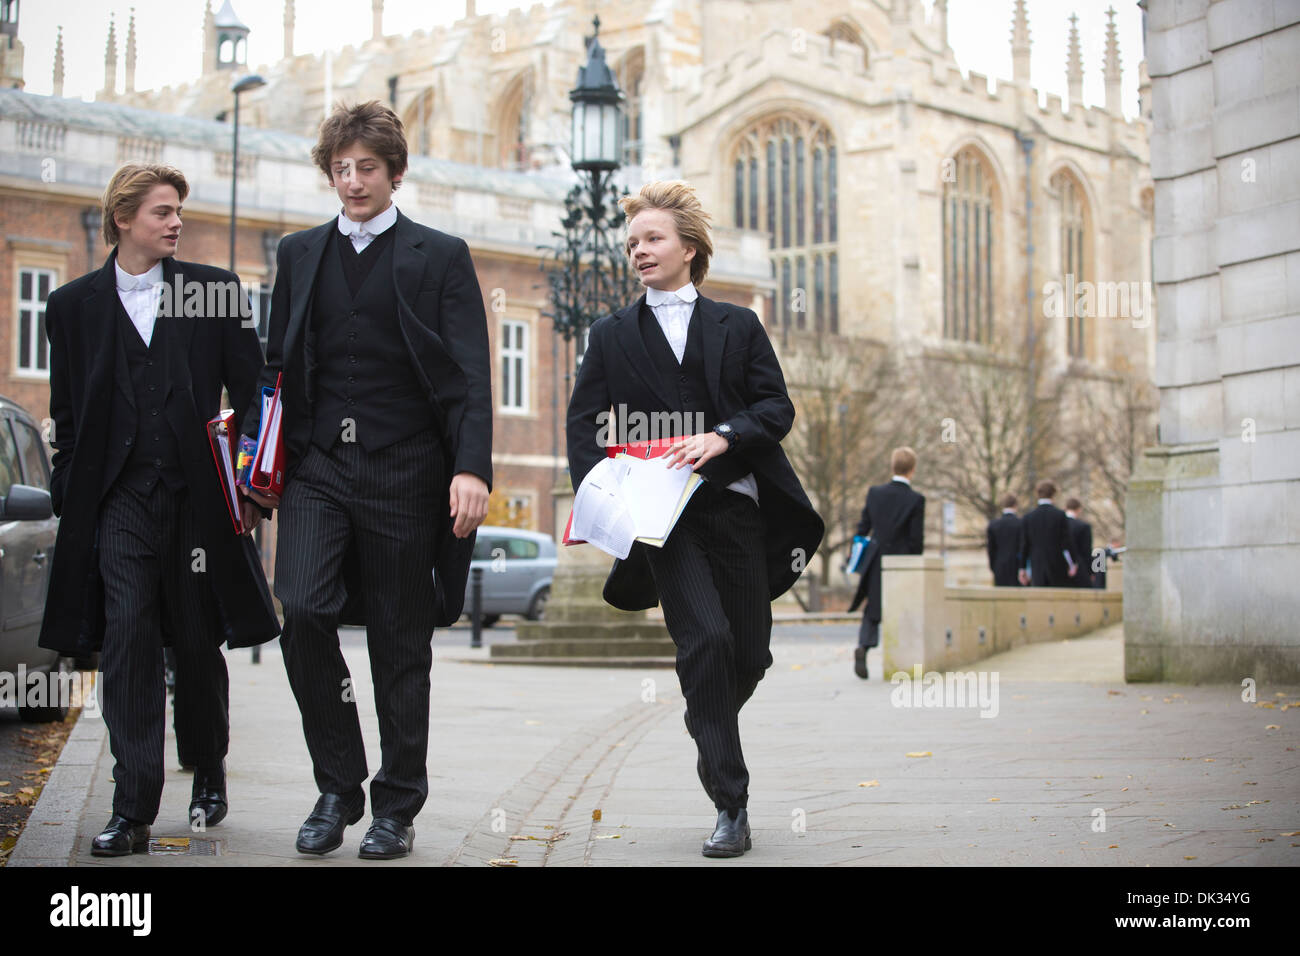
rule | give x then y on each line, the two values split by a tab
476	607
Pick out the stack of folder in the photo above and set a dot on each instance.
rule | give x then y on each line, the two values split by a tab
254	464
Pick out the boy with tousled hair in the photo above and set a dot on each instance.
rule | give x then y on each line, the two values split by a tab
748	530
379	333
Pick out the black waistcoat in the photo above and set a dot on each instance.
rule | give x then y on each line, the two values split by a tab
364	375
155	454
687	383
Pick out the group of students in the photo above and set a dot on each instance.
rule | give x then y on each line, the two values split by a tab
1047	547
379	341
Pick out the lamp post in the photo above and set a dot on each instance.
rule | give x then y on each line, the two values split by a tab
250	82
588	277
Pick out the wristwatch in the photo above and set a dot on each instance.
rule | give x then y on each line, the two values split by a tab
727	432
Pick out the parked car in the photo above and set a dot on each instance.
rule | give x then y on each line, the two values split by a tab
27	531
517	570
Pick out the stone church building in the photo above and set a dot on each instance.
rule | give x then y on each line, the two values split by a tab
864	188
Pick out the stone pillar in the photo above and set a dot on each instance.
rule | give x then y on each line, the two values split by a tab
912	611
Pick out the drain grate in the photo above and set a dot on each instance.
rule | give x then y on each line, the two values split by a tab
184	846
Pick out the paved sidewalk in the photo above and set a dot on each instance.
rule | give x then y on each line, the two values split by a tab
520	757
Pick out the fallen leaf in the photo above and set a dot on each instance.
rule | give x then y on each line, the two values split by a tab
595	815
1273	727
503	861
1267	704
1189	858
1122	789
609	836
1146	711
994	799
1115	693
1209	760
1292	833
920	753
1113	846
796	667
181	842
870	783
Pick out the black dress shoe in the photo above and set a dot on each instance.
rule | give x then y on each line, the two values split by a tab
860	662
121	837
208	804
730	836
323	830
387	839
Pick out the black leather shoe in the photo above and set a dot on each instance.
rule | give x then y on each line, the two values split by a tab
121	837
323	830
208	804
860	662
730	836
387	839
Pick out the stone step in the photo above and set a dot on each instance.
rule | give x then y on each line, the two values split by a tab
587	661
593	631
603	649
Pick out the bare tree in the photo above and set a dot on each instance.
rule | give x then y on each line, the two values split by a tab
995	421
849	414
1112	421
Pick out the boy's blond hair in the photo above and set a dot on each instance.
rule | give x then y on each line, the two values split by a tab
692	222
127	189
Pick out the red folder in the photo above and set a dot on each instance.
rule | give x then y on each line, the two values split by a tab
267	473
638	449
224	442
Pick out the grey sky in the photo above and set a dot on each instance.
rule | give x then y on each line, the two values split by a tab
169	36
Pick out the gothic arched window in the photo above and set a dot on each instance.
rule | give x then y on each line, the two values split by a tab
516	108
784	183
630	77
969	213
418	122
1072	227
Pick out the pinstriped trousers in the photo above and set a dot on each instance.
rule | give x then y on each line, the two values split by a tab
148	567
385	507
711	576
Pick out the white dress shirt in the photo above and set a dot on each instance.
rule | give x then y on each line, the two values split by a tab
673	311
364	233
140	296
906	481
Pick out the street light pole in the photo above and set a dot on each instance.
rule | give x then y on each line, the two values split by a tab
251	82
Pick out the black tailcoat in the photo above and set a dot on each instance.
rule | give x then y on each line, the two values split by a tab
894	516
1044	537
1004	550
444	326
92	405
747	391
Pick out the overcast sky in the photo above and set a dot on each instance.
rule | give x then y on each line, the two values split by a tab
169	37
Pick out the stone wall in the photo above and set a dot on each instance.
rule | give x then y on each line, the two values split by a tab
1214	511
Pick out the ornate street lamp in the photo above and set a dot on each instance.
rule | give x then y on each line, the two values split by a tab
589	274
589	277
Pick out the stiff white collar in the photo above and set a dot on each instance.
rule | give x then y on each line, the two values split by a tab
903	480
129	283
686	293
371	227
